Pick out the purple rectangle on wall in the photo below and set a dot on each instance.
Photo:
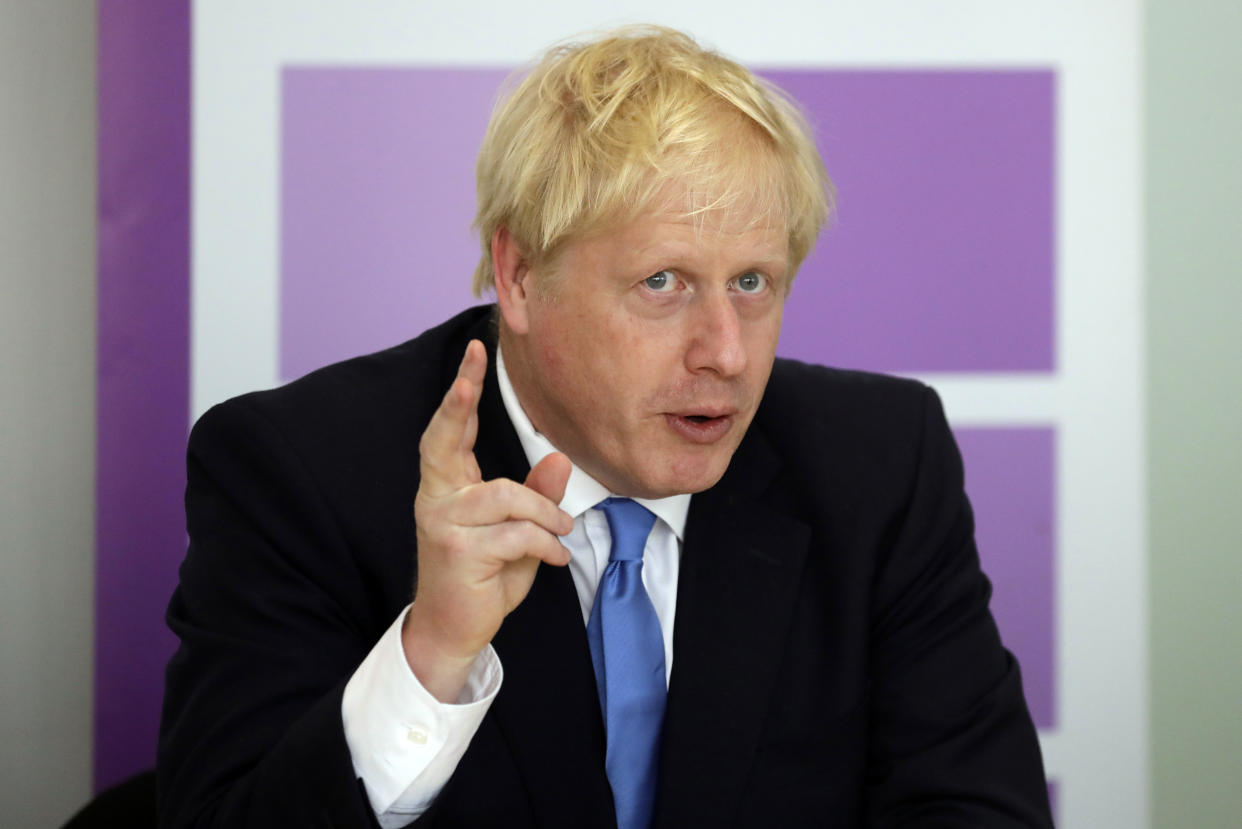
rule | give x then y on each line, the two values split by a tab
1011	481
377	197
941	258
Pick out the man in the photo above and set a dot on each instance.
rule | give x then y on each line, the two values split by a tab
656	578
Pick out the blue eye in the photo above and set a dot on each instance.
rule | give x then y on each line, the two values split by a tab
751	283
661	282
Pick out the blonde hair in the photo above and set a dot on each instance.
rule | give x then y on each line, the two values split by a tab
598	132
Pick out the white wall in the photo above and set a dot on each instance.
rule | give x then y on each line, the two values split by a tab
47	407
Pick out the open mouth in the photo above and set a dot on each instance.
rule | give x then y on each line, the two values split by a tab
700	428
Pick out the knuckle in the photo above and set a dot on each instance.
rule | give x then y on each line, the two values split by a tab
535	536
516	538
423	506
428	442
527	532
429	465
509	493
498	487
492	498
454	544
426	504
475	497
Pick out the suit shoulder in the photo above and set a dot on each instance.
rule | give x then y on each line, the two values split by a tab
361	395
853	443
826	418
807	392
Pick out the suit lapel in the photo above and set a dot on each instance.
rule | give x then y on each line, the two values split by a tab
547	710
740	569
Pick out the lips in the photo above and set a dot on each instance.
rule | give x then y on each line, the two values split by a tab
700	427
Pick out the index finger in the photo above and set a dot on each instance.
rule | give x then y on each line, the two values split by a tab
446	450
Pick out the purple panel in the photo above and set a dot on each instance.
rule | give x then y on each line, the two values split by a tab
143	365
941	258
377	193
1010	478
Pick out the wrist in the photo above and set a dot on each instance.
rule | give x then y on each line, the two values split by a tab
441	671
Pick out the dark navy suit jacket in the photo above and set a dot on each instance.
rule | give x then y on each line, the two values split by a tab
836	662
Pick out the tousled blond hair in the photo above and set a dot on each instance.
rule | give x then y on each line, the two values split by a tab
599	132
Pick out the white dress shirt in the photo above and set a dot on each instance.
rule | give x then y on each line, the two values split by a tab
404	743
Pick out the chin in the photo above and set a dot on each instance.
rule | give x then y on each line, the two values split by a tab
685	478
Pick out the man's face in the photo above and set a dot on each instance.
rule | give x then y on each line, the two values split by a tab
647	356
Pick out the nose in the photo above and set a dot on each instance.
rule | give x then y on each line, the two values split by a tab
716	337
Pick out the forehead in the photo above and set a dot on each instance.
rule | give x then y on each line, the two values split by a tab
715	208
730	187
705	209
753	233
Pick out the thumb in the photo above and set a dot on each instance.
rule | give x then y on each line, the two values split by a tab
550	476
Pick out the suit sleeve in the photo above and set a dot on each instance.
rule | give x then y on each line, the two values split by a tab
951	743
272	618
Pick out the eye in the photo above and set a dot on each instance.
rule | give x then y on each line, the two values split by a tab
661	283
751	282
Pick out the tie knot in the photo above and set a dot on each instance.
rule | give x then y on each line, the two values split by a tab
630	523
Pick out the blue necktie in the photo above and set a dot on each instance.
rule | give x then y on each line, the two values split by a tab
627	650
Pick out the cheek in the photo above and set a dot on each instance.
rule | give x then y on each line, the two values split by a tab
619	353
572	368
551	357
763	339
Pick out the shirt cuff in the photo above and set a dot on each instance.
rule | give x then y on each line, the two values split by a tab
405	744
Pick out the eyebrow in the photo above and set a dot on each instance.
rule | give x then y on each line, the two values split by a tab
668	251
772	260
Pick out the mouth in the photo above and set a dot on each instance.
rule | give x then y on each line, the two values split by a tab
700	427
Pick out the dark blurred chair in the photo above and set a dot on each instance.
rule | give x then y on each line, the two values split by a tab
127	805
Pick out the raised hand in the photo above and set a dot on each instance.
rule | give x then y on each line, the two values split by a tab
479	542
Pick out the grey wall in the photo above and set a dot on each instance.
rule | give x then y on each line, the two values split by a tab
1194	403
47	407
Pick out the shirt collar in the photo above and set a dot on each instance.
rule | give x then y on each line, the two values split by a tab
582	492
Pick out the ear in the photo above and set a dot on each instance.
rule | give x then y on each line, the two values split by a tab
510	271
